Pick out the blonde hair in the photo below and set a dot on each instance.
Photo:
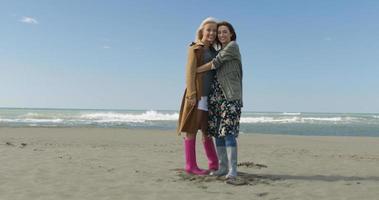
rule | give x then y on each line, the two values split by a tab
199	32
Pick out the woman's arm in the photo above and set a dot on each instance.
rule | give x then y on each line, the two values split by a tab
190	77
204	68
230	52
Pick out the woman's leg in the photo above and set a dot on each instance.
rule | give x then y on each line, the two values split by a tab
231	114
208	143
210	151
190	135
222	156
231	148
202	121
190	155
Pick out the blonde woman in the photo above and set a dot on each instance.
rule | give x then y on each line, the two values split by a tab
194	109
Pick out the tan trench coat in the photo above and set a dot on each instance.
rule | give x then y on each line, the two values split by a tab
187	116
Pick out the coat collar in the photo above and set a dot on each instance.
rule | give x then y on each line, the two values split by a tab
197	45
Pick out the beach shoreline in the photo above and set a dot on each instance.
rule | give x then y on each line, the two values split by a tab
117	163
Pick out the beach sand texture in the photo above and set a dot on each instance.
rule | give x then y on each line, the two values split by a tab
110	163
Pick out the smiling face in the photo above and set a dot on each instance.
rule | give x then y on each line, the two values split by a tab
209	33
224	35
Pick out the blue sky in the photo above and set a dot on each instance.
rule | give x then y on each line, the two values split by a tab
319	56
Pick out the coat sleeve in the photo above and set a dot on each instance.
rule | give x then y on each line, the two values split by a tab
191	73
230	52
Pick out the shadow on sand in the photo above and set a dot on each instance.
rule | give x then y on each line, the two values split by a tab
268	179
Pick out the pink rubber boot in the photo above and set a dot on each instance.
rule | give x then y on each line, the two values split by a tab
190	156
210	151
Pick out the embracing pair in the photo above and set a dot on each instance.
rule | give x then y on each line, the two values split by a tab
212	100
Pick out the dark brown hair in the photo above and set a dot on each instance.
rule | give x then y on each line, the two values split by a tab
230	27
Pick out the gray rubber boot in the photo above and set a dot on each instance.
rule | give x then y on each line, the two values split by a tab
232	162
222	161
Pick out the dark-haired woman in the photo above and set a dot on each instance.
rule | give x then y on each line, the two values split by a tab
225	99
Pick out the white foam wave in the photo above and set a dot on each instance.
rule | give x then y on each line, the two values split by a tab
331	119
138	118
31	115
28	120
42	116
289	113
154	117
268	120
295	119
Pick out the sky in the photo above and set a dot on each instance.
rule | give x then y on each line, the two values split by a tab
297	56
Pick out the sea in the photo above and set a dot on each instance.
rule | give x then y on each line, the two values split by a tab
287	123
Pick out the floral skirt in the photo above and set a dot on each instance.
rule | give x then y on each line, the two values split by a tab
224	115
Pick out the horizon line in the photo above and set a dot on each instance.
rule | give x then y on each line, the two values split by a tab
124	109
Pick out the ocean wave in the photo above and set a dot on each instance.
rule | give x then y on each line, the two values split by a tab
296	119
28	120
116	118
42	116
34	115
152	118
268	120
151	115
330	119
289	113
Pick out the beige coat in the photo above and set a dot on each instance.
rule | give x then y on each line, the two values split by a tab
187	115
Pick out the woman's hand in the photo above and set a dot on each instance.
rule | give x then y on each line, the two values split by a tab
204	68
191	101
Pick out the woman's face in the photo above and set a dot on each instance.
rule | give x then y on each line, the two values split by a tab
224	35
209	33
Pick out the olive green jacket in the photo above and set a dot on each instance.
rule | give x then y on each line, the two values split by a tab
229	71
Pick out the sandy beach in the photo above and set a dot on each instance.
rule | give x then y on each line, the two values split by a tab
108	163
